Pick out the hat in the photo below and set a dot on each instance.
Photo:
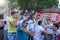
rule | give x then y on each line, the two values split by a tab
26	12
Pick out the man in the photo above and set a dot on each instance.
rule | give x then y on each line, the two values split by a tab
21	19
5	26
12	23
22	32
38	32
57	30
30	27
33	22
50	30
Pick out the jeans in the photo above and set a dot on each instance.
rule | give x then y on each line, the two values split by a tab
51	37
30	37
11	36
1	35
5	35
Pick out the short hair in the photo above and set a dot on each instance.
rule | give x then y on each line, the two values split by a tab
25	21
59	22
13	13
39	22
56	25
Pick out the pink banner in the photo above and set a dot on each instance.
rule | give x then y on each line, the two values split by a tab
52	17
59	17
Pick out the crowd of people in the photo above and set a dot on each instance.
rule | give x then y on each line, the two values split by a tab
27	26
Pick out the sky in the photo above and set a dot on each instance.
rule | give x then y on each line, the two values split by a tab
59	1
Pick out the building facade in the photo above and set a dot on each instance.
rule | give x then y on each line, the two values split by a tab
50	13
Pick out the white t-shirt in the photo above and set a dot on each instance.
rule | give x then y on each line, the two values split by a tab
20	22
30	25
24	17
37	34
35	23
49	29
58	32
6	19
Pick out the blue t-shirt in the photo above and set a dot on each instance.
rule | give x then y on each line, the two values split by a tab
20	34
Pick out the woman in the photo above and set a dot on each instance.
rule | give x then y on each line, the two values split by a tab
1	26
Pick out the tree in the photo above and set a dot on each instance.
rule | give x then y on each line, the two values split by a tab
12	4
37	4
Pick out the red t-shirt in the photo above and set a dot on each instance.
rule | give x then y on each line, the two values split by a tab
58	36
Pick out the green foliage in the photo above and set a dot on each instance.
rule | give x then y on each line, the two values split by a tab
1	16
37	4
33	4
12	4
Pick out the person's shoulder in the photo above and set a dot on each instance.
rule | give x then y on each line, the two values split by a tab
40	27
21	20
58	30
10	19
20	25
30	21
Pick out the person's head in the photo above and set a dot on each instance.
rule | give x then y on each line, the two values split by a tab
59	24
48	20
38	16
39	22
18	16
25	23
56	25
14	14
54	28
21	15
